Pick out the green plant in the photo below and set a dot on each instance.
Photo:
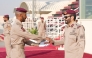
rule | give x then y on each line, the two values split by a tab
33	31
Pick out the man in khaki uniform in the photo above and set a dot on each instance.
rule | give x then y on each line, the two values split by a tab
7	27
41	27
19	36
74	37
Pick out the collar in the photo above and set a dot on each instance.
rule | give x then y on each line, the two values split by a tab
19	23
7	22
72	25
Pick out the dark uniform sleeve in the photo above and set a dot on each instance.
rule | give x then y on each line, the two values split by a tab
28	42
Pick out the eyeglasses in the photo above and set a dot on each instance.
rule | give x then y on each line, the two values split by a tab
66	17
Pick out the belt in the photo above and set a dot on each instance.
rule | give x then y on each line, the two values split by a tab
18	46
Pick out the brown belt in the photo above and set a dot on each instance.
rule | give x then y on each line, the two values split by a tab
19	46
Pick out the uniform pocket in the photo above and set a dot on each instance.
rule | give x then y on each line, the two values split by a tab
72	33
73	38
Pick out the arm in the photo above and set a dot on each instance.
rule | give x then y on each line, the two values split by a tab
18	31
81	41
9	26
81	37
59	42
28	42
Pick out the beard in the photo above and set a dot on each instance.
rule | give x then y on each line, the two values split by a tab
4	20
23	19
67	21
64	14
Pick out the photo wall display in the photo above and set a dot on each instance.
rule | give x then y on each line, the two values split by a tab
55	27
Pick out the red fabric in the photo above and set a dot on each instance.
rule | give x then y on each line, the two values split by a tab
70	11
58	38
6	16
21	10
77	10
42	17
23	29
42	52
2	36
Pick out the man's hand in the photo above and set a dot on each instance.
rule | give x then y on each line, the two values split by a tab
49	40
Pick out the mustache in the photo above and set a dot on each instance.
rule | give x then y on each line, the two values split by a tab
4	20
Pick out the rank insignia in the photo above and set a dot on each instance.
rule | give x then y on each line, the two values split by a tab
82	36
78	26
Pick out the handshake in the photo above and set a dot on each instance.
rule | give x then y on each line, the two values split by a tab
49	40
42	42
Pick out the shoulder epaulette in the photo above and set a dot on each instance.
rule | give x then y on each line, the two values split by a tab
79	25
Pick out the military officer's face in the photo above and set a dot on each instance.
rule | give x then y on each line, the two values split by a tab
67	19
42	20
5	19
23	16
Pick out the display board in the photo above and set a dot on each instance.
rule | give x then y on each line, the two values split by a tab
55	27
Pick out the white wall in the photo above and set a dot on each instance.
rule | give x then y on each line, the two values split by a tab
1	22
88	34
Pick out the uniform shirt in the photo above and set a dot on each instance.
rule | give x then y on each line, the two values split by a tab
41	26
74	37
7	27
18	34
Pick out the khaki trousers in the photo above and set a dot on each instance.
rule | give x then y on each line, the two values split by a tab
7	45
74	54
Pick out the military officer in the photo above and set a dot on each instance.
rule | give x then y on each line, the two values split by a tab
74	37
41	27
19	36
7	28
